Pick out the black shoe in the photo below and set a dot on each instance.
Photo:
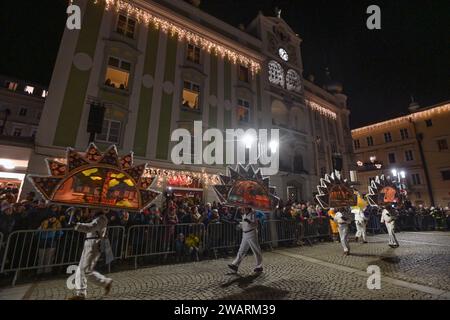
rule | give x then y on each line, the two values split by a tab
258	270
233	267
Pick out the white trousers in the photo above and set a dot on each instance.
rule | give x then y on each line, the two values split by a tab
343	234
89	257
390	226
361	229
249	240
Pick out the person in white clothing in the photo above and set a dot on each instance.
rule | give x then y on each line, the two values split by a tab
343	219
249	226
95	233
361	223
388	218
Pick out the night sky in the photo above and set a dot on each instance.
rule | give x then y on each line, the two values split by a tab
380	69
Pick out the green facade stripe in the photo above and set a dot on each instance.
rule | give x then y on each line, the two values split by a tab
212	121
227	80
162	148
213	76
165	115
227	119
258	90
141	133
190	116
75	94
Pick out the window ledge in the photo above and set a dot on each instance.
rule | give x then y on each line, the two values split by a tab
199	111
121	92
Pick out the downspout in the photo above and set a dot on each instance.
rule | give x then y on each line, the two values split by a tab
419	138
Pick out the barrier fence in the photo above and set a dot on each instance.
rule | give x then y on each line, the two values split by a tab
151	240
43	250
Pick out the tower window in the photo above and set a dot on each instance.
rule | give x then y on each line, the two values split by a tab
276	73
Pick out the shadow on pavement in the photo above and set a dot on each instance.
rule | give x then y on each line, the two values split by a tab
258	293
241	281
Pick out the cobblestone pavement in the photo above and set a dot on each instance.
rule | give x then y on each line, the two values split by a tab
413	271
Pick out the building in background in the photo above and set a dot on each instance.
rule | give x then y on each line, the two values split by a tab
161	65
417	145
21	105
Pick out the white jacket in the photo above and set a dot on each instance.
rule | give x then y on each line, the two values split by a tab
359	215
386	216
343	218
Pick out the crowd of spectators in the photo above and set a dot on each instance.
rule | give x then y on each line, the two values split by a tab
32	213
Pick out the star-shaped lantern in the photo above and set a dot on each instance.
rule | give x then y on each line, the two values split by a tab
96	179
245	187
383	191
335	192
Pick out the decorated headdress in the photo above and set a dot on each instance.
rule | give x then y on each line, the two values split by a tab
383	191
246	187
335	192
96	179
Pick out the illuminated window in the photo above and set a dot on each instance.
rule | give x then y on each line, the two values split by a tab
29	89
117	73
243	111
193	53
44	93
23	112
191	94
293	80
110	131
11	85
17	132
276	73
126	26
243	74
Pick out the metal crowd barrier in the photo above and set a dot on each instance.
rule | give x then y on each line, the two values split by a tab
223	235
315	228
46	249
152	240
374	225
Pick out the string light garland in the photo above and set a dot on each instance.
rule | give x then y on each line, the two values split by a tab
324	111
420	115
168	27
162	175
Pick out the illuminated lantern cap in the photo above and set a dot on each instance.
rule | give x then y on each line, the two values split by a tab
384	191
245	187
96	179
335	192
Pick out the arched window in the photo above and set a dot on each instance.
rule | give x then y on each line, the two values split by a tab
276	73
293	80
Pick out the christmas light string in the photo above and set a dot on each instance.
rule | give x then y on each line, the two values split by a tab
169	27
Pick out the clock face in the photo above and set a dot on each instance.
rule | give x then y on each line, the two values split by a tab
283	54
